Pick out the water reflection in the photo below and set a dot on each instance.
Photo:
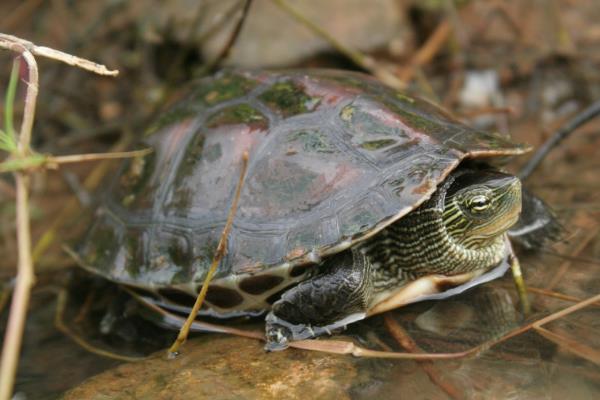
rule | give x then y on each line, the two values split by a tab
526	366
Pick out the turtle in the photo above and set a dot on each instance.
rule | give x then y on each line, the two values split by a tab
358	199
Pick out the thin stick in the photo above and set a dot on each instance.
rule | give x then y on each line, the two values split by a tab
357	57
404	340
571	345
566	311
583	117
61	303
556	295
20	300
30	102
221	248
582	260
216	24
52	162
72	205
232	39
349	348
365	62
581	244
176	320
25	272
19	45
75	158
346	347
426	53
25	275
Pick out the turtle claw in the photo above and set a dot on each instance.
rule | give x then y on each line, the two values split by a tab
278	338
278	333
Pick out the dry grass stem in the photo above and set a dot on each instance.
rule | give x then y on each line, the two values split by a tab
232	38
25	272
426	53
30	102
72	206
76	158
346	347
571	345
176	320
14	43
53	162
360	59
583	117
556	295
579	247
404	340
220	252
25	280
25	275
216	24
61	303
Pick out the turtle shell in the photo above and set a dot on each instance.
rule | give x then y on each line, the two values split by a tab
334	158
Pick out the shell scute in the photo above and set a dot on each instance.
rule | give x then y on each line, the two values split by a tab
334	158
288	98
226	86
378	136
239	114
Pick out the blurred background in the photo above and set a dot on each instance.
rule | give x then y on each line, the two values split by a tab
522	68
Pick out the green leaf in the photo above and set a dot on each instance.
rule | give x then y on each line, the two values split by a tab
6	142
10	100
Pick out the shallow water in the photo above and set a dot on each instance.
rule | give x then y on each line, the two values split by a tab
561	361
222	366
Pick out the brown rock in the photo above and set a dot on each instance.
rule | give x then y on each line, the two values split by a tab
208	368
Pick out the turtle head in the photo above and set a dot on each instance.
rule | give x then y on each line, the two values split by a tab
481	205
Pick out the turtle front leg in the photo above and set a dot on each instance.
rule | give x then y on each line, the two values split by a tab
334	298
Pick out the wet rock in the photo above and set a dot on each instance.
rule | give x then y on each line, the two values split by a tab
226	368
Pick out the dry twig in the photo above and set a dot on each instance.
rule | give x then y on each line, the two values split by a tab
583	117
232	38
72	206
25	272
346	347
365	62
52	162
404	340
220	252
61	326
426	53
592	232
19	45
571	345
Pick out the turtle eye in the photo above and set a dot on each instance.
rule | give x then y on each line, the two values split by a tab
479	203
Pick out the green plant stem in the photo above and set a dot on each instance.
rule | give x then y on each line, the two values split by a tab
10	100
25	273
20	300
